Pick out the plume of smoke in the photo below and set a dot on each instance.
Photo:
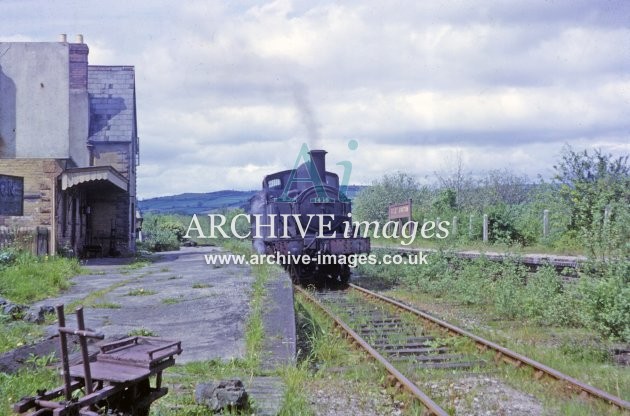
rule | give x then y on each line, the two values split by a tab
303	105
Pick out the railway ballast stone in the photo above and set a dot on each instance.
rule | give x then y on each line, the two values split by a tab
222	395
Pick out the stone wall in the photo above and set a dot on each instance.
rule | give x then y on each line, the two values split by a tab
116	155
40	176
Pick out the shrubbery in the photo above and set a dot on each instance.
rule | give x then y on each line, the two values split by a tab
599	299
588	201
162	232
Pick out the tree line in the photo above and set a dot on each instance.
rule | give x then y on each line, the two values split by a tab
587	198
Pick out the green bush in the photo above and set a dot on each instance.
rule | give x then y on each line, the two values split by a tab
548	301
473	284
162	232
502	220
509	290
606	301
7	256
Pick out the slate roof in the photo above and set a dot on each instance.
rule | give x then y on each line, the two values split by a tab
112	98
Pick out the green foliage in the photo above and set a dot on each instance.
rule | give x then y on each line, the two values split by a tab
445	200
508	291
29	278
591	184
141	292
7	256
14	334
142	332
25	383
606	300
588	203
472	283
600	299
371	204
163	232
502	225
241	225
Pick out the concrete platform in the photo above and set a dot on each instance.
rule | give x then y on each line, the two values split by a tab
266	394
279	322
179	296
533	259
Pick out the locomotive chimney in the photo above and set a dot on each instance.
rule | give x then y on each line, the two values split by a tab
318	159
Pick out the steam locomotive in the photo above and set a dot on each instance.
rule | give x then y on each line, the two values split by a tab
302	218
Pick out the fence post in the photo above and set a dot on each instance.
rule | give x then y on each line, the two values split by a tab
470	227
485	228
454	226
545	223
607	212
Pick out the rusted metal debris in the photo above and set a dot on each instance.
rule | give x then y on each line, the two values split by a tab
117	382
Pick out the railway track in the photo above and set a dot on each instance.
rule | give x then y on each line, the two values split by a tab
403	340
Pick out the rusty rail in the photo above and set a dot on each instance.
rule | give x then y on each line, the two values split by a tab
506	354
426	401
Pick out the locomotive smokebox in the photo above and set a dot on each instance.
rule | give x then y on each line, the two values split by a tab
318	159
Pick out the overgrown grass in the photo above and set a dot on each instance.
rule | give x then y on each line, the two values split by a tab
14	334
25	383
331	362
30	278
255	331
573	351
598	300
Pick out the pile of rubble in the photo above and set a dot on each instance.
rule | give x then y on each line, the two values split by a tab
34	314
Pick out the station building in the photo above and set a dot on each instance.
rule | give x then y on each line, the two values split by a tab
68	150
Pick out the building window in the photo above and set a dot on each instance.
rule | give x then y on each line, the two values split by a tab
11	195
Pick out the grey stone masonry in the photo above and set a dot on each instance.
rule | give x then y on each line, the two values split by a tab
111	92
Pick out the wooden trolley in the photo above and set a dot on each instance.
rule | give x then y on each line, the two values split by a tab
117	382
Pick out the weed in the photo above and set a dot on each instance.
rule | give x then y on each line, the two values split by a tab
105	305
41	361
137	264
201	285
15	334
142	332
141	292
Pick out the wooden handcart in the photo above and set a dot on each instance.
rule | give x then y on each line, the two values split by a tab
117	382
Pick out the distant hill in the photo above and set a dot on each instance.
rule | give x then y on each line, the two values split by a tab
202	203
196	203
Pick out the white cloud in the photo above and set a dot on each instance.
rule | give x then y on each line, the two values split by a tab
228	91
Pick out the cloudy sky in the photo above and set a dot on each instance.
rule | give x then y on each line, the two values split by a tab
228	91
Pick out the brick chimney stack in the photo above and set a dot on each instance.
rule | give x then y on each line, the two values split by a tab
78	64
